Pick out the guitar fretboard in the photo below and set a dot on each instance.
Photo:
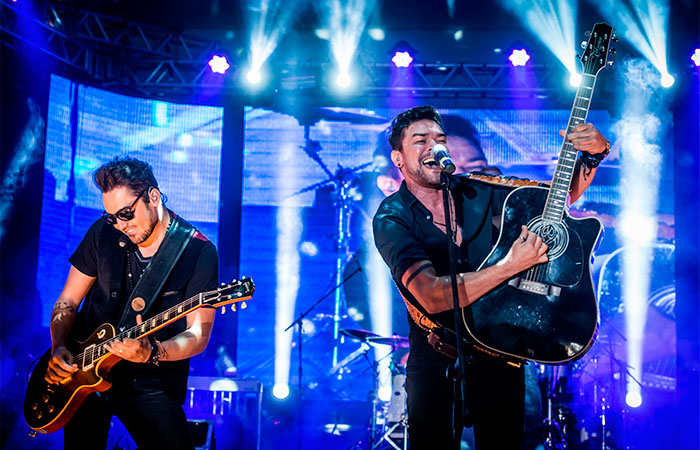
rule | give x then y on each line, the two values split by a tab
564	171
91	354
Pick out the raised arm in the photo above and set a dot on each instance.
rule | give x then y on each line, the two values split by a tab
586	138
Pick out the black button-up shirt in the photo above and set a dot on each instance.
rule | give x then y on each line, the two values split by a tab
404	234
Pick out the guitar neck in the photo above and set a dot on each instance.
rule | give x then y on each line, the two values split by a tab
564	171
161	320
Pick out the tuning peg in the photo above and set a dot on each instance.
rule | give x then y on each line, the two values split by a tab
243	305
223	309
614	38
610	63
584	44
233	307
588	34
613	50
234	281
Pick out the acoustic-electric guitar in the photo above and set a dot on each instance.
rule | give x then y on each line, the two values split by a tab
548	313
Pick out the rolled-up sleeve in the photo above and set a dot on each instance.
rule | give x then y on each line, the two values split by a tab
396	242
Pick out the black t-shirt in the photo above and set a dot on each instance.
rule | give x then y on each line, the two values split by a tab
105	253
404	234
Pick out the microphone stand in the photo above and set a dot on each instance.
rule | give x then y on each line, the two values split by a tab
299	322
461	360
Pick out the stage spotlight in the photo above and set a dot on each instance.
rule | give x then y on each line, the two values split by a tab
280	391
633	399
322	33
254	76
575	79
667	80
402	59
519	57
459	34
343	80
376	33
219	64
696	57
402	54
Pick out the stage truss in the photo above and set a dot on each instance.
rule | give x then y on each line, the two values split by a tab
125	56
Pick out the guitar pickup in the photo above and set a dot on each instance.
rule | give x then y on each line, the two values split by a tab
535	287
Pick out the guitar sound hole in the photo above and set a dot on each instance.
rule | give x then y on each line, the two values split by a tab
554	234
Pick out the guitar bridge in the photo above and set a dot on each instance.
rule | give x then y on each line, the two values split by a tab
535	287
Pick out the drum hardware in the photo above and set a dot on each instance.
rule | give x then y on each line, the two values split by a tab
555	433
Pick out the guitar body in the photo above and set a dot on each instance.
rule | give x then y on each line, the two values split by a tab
548	313
48	407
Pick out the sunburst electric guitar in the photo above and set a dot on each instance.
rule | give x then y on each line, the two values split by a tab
48	407
548	313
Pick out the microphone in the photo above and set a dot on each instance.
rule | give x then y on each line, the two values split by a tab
443	158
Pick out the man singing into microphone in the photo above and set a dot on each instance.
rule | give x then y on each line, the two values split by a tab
409	231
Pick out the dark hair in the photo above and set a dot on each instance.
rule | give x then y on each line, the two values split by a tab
406	118
459	126
129	172
382	155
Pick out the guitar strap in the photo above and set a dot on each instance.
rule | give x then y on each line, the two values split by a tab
153	278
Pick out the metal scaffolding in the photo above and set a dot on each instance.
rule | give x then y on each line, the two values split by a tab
130	57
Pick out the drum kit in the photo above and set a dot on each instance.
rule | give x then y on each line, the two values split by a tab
389	419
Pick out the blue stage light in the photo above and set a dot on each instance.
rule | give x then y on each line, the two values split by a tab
633	399
280	391
254	76
402	59
696	57
343	80
667	80
519	57
219	64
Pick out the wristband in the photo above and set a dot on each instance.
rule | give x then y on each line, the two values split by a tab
592	161
155	351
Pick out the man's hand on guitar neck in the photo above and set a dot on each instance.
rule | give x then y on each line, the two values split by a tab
134	350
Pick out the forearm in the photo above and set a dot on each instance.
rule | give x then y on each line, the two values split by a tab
582	178
192	341
471	286
62	319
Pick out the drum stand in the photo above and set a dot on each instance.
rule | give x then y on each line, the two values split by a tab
396	418
554	428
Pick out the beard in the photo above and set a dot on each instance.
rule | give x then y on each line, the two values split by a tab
423	177
142	237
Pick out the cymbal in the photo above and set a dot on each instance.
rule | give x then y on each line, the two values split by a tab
360	335
395	341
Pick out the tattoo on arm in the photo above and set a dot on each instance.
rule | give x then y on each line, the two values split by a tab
63	306
416	272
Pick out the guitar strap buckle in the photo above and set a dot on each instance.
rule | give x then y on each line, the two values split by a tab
441	347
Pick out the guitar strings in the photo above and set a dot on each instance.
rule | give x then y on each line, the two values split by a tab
98	349
538	271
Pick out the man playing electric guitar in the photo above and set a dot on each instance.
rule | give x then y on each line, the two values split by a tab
149	386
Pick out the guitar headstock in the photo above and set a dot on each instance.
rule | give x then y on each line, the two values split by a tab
231	293
595	56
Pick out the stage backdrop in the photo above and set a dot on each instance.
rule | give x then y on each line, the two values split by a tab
87	127
294	161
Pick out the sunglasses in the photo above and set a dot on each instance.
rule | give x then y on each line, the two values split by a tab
125	214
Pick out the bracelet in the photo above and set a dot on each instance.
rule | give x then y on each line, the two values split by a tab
156	353
592	161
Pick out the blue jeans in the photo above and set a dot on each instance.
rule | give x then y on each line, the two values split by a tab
153	419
